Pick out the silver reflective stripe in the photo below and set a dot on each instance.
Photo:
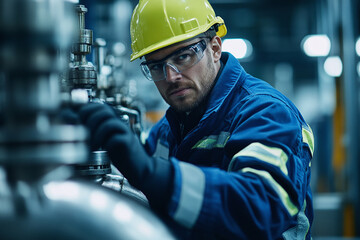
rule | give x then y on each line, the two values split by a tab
308	138
161	151
144	136
301	229
272	155
283	195
191	196
213	141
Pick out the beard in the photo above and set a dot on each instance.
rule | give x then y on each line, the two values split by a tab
189	103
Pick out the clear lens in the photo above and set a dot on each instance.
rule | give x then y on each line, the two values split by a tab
146	71
156	70
180	61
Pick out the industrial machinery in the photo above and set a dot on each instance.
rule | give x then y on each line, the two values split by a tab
86	83
39	196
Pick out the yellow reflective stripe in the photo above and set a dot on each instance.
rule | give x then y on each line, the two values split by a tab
284	196
213	141
302	227
308	138
272	155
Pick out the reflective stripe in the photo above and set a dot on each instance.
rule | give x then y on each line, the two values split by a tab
272	155
213	141
308	138
284	196
191	196
301	229
161	151
144	136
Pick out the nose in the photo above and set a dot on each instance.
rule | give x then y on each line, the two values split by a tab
172	74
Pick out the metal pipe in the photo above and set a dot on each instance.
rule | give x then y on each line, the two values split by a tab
36	150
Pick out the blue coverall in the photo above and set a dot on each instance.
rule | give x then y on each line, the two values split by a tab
243	171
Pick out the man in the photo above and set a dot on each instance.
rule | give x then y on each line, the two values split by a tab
231	157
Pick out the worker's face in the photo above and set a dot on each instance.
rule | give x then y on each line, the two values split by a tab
184	91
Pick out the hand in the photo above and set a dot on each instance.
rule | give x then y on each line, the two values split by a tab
126	152
69	116
109	132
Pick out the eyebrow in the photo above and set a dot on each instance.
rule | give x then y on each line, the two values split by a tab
172	54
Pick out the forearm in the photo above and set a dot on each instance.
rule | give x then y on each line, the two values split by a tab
220	203
156	183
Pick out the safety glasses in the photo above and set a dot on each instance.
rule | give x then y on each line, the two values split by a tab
179	61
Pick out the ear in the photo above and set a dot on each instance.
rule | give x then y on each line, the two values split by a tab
215	44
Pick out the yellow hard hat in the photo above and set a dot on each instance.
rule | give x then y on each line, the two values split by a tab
159	23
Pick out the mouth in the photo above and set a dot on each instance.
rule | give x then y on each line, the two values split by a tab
179	92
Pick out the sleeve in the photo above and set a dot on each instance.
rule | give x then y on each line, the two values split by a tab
263	194
155	143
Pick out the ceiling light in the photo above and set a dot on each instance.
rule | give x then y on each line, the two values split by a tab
239	47
333	66
357	46
316	45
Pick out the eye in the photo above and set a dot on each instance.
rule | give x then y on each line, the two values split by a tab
184	56
156	67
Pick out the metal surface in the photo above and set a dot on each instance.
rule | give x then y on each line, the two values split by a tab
74	210
98	165
31	58
120	184
98	170
28	145
134	118
37	151
82	74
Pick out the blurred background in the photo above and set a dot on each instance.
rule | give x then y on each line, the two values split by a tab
307	49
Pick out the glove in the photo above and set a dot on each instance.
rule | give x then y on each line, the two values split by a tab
69	116
153	176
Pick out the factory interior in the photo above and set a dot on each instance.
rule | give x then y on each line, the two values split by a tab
307	49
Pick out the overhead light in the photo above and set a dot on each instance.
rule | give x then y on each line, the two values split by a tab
333	66
316	45
239	47
357	46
